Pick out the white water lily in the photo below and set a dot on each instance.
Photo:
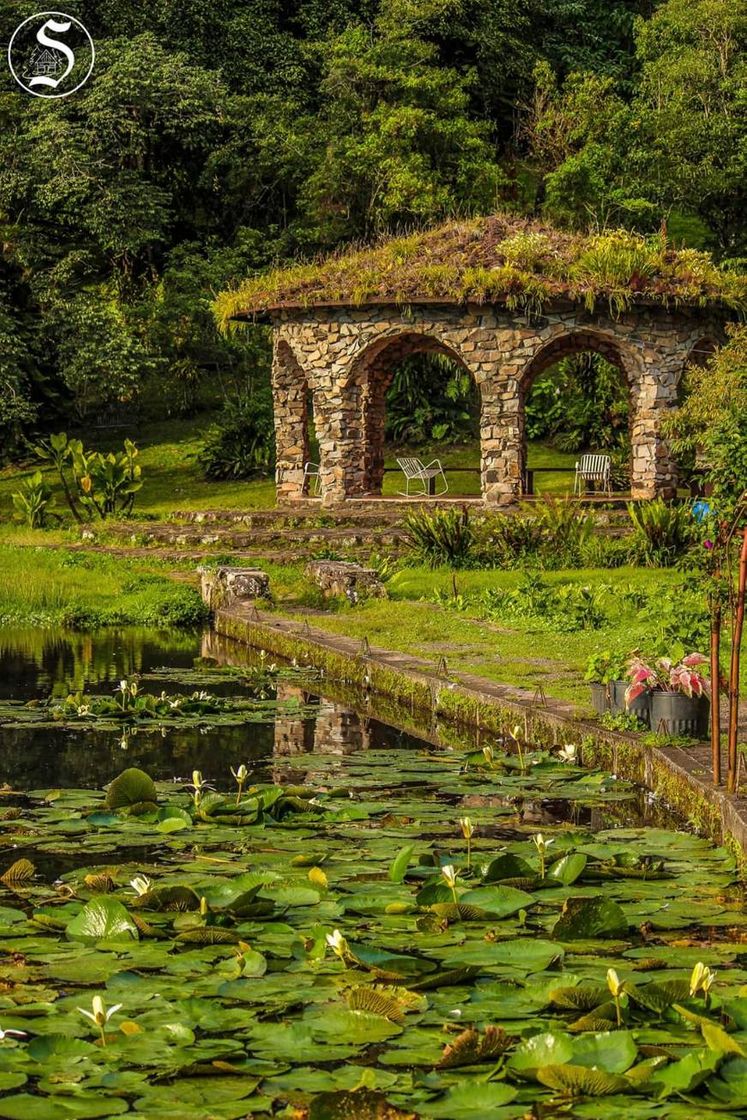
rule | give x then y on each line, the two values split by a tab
100	1015
701	979
488	754
541	844
568	753
337	944
449	875
199	785
241	777
140	884
11	1034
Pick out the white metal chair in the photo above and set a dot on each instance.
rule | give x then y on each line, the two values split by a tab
596	469
423	476
311	479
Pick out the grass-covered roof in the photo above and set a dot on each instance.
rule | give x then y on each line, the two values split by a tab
497	259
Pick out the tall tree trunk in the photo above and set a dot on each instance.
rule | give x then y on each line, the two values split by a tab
736	643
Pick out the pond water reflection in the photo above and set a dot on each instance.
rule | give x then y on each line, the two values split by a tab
289	730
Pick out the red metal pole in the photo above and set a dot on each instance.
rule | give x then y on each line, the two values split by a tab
736	643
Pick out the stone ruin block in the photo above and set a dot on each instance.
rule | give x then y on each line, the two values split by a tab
344	578
225	587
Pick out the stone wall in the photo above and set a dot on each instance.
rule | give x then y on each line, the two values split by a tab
346	357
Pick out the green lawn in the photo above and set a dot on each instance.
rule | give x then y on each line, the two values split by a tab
172	479
50	587
521	652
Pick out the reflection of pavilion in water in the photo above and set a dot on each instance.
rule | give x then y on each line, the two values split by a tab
335	730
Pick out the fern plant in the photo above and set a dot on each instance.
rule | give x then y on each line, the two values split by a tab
441	537
662	532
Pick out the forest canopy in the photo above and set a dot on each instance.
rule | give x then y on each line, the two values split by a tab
217	141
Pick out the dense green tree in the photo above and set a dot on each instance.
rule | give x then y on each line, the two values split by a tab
214	140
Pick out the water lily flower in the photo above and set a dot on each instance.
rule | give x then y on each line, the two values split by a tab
199	785
614	983
467	827
568	753
100	1015
701	979
617	988
337	944
140	884
541	845
449	875
241	776
489	755
468	831
174	704
11	1034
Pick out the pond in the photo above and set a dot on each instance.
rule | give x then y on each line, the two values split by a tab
371	919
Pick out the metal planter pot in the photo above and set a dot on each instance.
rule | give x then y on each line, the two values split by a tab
601	695
673	713
640	707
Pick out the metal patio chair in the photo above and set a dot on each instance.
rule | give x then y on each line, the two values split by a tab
311	480
596	469
422	476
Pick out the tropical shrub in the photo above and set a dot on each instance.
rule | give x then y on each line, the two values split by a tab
241	444
34	502
510	540
431	398
566	530
662	532
607	666
582	402
440	537
94	484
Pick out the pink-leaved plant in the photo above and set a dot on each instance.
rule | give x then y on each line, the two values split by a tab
666	675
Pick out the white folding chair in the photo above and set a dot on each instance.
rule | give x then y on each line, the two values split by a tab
596	469
422	476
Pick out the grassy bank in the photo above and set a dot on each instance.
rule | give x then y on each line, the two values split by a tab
54	587
172	479
638	607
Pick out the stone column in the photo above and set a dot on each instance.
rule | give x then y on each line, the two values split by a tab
654	394
289	388
339	428
501	421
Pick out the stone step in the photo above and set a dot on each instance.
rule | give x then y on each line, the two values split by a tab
217	536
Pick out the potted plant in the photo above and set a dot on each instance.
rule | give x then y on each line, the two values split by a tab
678	691
605	673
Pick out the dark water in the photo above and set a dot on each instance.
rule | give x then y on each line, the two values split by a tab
280	743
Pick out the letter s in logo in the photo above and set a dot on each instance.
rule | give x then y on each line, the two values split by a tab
56	45
51	54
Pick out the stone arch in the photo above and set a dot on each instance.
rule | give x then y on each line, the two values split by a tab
578	341
702	350
368	379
